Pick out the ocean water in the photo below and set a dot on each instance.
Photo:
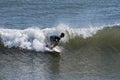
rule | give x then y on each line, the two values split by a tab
90	49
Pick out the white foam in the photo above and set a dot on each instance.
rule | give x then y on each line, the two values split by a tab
34	38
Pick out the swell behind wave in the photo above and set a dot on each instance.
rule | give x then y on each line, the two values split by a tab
107	37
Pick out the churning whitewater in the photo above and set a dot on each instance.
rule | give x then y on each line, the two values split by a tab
35	38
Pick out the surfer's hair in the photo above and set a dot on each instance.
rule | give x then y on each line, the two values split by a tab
62	35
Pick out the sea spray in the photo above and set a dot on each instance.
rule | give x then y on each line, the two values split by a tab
32	39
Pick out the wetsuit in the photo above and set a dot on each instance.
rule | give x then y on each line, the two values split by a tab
54	39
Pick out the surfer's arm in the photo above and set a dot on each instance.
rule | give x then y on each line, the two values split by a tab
55	45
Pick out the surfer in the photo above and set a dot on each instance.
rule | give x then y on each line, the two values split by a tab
54	40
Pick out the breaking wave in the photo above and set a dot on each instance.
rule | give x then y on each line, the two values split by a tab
107	38
75	38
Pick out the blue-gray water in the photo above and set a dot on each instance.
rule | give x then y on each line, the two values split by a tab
95	57
49	13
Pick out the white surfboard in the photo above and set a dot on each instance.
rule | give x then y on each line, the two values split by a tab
54	50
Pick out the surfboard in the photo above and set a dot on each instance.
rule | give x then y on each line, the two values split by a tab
54	50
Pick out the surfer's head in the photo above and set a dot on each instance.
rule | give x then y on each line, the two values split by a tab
62	35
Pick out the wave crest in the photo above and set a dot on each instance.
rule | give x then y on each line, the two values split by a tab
107	38
75	38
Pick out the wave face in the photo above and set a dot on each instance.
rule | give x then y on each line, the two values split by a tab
35	39
107	38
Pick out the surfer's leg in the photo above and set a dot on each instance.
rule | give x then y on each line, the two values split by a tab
54	45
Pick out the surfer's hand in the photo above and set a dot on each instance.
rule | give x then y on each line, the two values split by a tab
51	47
46	45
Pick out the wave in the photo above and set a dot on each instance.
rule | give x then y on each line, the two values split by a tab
106	38
75	38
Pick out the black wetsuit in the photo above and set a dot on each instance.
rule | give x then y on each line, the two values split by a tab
54	39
